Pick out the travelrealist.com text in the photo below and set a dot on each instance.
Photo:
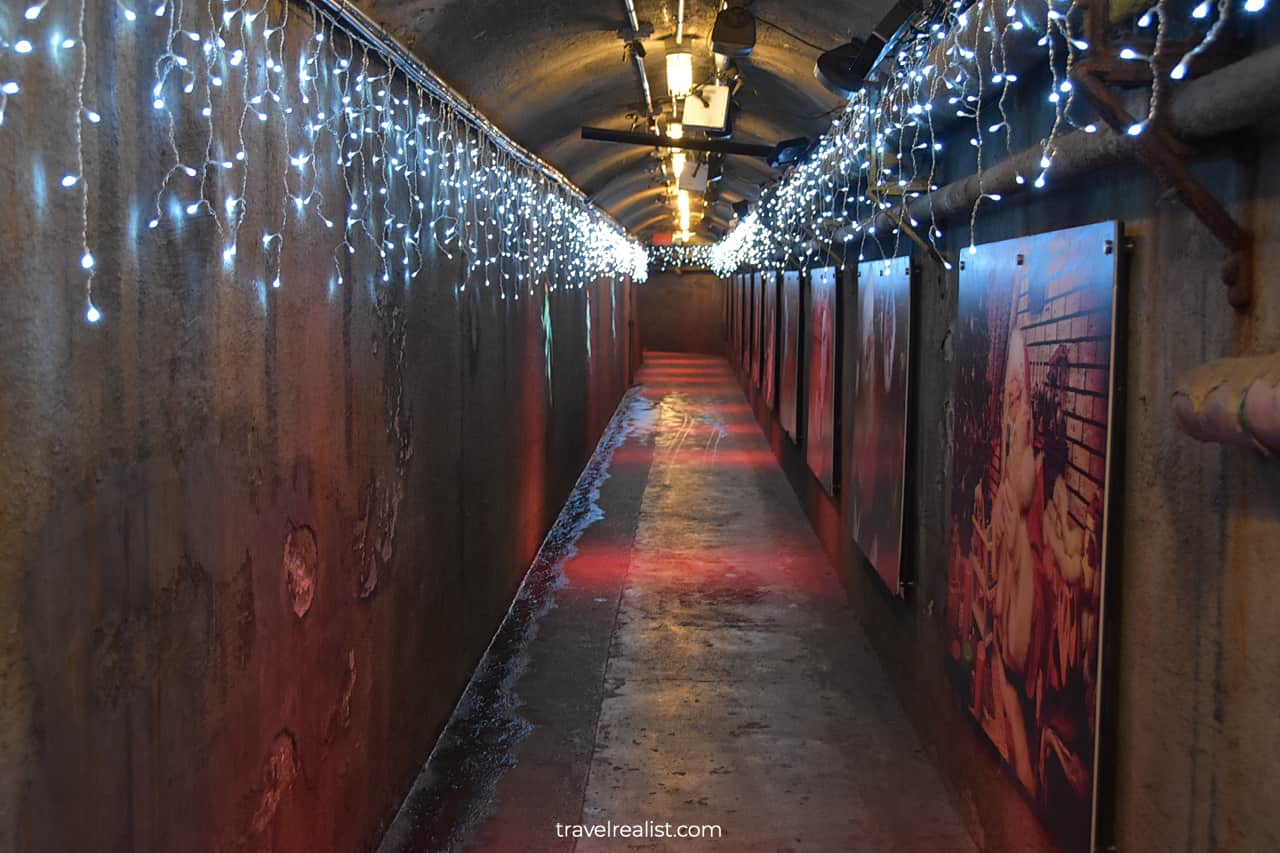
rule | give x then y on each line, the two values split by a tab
647	829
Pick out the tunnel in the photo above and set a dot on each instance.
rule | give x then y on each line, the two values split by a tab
655	425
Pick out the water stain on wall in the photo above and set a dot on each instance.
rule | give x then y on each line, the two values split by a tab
301	561
280	770
376	532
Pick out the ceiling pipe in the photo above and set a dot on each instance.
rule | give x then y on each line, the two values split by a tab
1222	101
638	60
687	143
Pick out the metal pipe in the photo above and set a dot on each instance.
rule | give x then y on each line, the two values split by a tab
644	82
1228	99
722	146
637	59
1232	401
680	22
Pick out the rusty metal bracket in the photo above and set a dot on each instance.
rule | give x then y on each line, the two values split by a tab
1160	151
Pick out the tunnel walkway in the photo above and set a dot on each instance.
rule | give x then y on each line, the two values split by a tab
685	656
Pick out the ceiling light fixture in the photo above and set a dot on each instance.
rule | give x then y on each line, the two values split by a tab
679	73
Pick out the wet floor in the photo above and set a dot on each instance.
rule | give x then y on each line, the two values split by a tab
681	658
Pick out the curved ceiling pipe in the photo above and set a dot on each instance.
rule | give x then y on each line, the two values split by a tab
1233	401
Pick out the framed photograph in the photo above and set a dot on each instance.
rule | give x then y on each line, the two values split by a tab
882	330
820	424
739	323
756	323
769	360
789	368
735	335
1034	349
729	286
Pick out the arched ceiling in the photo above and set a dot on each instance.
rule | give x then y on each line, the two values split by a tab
542	69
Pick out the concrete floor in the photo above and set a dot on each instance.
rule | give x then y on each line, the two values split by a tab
683	654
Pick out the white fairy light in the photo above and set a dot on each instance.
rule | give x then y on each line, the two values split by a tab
948	61
513	220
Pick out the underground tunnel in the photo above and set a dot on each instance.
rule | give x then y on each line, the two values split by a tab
740	425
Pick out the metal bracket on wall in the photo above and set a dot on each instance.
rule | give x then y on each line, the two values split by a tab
1157	148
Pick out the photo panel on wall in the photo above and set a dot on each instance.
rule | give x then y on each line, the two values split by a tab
1034	354
881	319
757	309
789	366
769	360
820	423
739	324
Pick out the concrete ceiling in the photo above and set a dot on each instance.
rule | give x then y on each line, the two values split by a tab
541	69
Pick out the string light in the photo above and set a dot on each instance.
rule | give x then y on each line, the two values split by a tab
420	172
682	257
881	153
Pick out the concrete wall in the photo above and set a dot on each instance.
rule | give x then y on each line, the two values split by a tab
1193	761
681	312
253	541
